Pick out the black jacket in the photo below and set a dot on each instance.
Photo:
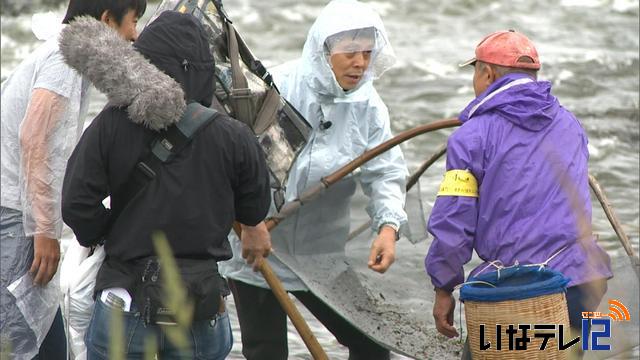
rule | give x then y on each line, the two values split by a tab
221	176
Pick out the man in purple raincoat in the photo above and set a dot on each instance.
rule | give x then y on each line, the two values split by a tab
516	187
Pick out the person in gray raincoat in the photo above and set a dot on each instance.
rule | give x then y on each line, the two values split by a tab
332	86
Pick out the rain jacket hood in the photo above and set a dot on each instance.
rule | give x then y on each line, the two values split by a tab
531	107
345	125
171	44
336	17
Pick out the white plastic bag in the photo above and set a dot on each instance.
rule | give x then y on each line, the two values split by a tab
77	279
38	305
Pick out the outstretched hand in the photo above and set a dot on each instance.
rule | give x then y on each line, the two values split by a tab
443	313
256	244
383	250
46	255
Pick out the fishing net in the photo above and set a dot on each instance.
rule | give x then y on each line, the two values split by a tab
346	284
393	309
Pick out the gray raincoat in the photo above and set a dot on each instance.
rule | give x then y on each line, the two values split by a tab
359	121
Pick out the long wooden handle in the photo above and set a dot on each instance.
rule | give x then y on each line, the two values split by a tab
615	223
288	306
327	181
413	179
402	137
292	311
276	286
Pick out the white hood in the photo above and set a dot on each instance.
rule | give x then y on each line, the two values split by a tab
339	16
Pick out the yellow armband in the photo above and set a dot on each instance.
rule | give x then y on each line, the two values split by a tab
458	183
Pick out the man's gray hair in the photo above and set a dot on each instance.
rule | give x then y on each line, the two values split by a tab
504	70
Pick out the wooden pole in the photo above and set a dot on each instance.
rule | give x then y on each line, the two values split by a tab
267	272
292	311
413	179
356	163
288	306
402	137
615	223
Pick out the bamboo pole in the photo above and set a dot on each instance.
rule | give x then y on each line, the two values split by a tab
288	306
265	269
327	181
292	311
400	138
413	179
615	223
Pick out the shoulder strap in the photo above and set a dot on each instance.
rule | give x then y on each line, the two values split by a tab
242	49
241	93
170	142
164	147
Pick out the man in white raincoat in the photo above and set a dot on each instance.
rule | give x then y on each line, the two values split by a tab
332	86
44	104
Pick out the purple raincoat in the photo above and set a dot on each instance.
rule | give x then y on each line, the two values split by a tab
529	156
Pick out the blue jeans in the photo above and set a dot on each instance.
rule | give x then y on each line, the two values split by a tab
210	339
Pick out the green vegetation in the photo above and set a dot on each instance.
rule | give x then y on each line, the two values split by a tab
5	348
176	300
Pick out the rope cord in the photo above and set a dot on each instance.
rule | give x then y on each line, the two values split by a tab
499	266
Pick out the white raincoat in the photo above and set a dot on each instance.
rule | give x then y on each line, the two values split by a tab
44	104
50	98
359	121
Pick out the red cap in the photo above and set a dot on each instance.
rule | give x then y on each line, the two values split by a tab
506	48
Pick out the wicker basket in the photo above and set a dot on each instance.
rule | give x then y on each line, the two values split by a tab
545	309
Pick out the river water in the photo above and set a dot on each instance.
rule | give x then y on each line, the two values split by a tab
588	49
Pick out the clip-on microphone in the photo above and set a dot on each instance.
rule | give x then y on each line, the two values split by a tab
324	125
